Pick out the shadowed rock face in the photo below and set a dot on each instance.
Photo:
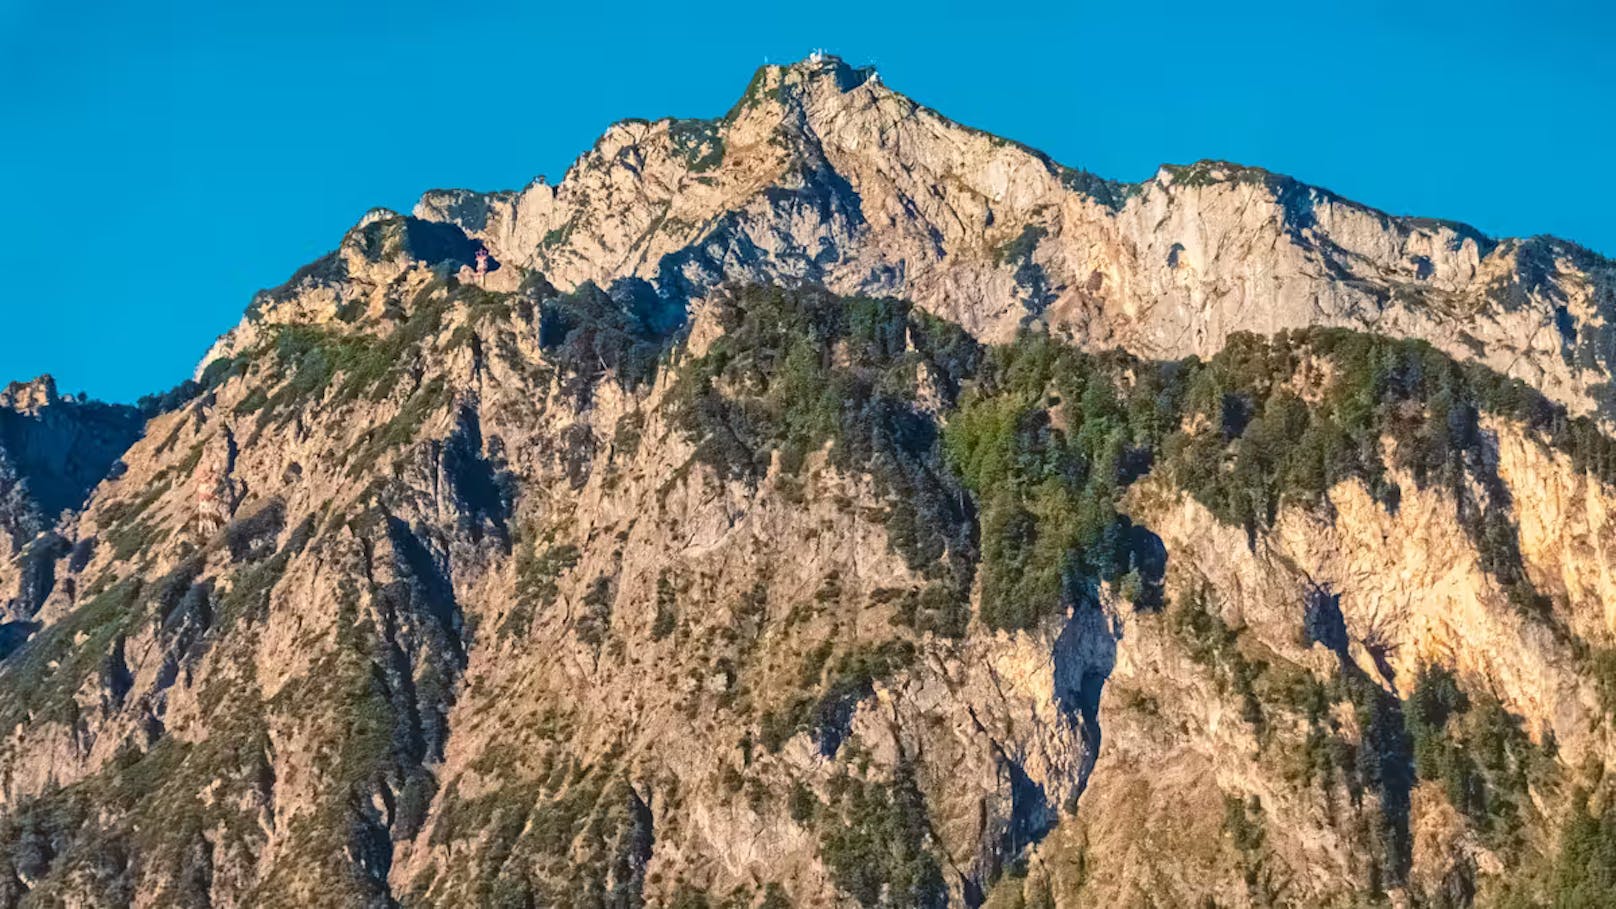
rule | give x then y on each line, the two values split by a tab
645	570
60	448
53	452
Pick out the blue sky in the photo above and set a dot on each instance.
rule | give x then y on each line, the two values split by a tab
164	160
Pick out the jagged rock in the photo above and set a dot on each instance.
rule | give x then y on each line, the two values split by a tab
53	452
823	174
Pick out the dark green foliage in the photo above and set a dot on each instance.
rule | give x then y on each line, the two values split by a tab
434	242
591	331
1578	873
248	596
826	710
1474	748
312	357
154	405
1110	194
1257	443
79	842
1378	761
1022	247
1243	821
1207	172
1048	446
1030	275
577	836
557	236
175	588
802	804
1214	644
1436	698
537	573
797	369
747	618
1052	436
385	689
667	605
220	371
253	536
124	526
878	845
361	363
252	403
147	801
1049	438
754	95
1045	439
1585	869
124	511
626	438
595	620
402	428
131	539
1602	665
44	673
700	142
688	897
371	719
938	607
414	802
1259	446
1244	824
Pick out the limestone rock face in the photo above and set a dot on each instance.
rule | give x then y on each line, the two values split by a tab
639	569
821	173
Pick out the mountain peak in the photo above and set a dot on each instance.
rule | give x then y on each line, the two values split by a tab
28	397
792	83
821	174
821	65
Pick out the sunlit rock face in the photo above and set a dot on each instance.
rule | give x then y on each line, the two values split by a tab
821	173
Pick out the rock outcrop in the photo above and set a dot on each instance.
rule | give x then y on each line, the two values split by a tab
54	450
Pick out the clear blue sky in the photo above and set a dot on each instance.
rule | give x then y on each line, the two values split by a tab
163	160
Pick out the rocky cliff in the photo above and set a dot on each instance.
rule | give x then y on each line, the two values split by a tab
832	505
822	173
53	452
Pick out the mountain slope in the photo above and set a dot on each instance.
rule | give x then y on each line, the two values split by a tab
646	570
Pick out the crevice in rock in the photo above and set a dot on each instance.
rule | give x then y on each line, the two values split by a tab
482	496
37	575
1084	654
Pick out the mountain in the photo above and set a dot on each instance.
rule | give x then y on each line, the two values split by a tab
833	505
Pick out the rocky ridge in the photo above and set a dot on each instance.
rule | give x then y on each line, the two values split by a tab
821	173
